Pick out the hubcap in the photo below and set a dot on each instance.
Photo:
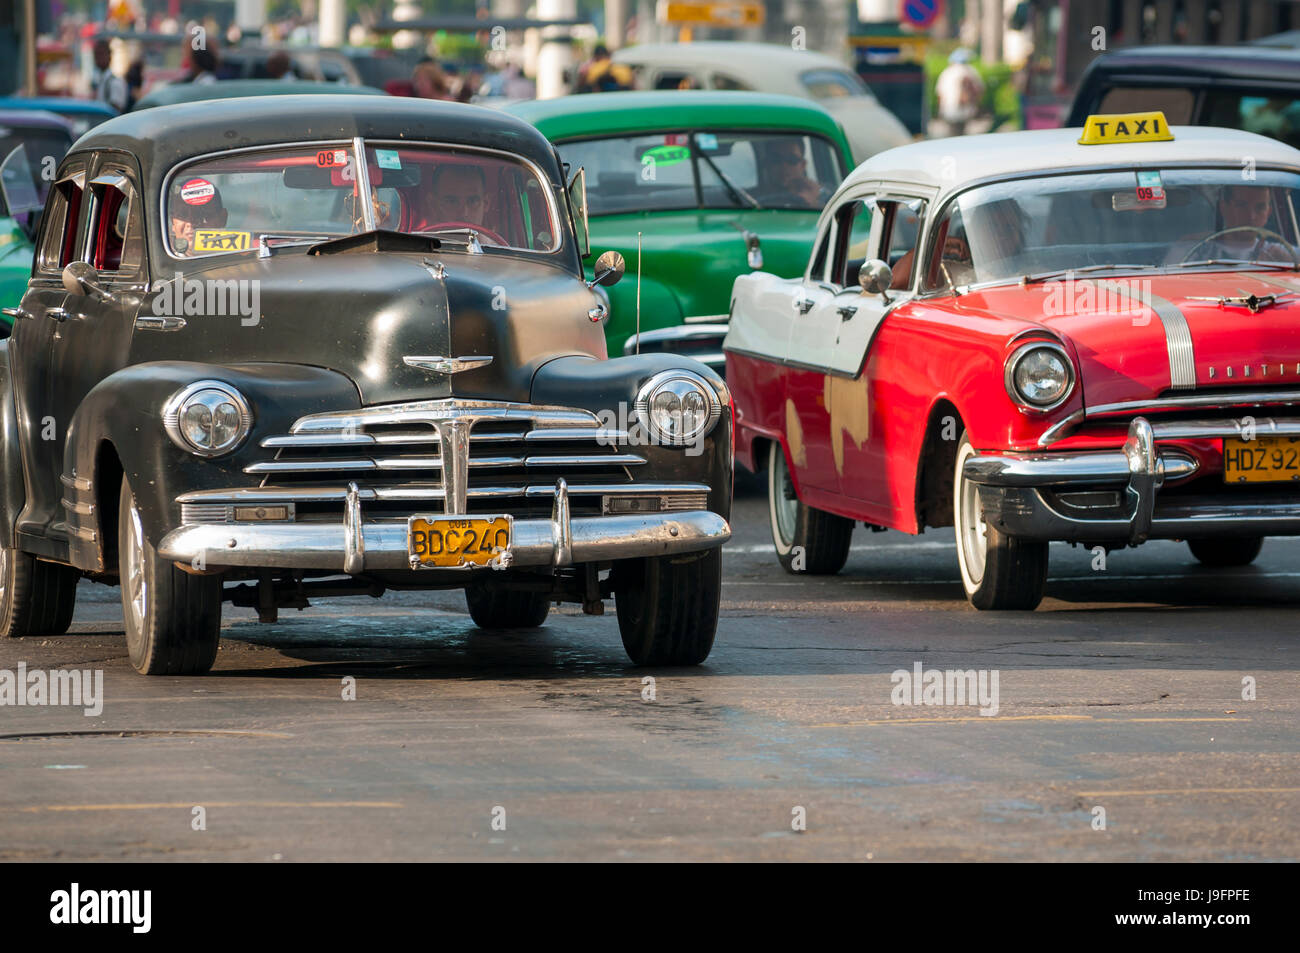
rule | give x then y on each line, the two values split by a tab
785	504
972	531
136	587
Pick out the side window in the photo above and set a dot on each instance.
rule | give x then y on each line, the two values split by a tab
903	219
818	270
853	240
723	81
118	243
62	214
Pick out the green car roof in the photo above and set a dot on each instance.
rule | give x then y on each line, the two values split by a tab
603	114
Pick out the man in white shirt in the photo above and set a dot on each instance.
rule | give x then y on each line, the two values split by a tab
959	90
109	88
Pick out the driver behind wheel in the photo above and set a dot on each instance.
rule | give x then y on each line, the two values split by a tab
1247	209
459	195
195	204
788	168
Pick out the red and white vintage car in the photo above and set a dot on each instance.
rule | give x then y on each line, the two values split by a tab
1035	336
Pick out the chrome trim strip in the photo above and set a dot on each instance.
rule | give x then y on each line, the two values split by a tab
1178	336
693	332
578	460
706	319
81	509
308	466
283	494
1084	467
75	482
1213	429
1225	400
361	170
453	436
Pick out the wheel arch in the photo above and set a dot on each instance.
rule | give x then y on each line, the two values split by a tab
934	468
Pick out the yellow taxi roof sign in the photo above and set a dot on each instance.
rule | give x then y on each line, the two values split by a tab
1125	127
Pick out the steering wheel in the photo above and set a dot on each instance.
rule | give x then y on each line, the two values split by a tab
1263	233
481	229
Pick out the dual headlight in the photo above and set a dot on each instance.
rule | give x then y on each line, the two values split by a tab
1039	375
207	418
677	407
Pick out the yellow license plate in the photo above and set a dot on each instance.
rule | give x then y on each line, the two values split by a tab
452	542
1262	460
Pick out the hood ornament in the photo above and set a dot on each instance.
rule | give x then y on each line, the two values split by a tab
1252	301
447	365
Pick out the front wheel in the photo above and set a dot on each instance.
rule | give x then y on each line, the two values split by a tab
668	606
997	571
1222	553
173	618
36	598
806	539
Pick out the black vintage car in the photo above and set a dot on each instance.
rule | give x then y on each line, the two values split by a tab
299	346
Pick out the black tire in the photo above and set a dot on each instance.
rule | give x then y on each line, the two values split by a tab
668	606
494	607
807	540
36	598
997	571
173	626
1222	553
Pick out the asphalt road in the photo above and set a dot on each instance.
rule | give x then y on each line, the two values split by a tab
1122	692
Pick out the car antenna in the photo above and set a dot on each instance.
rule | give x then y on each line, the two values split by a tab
638	292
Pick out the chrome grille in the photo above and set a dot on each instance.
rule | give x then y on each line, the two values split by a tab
513	456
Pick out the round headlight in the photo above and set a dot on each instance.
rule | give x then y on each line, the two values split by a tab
677	407
1039	375
207	418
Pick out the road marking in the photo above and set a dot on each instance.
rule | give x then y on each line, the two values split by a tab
187	805
1092	577
1158	792
891	547
993	718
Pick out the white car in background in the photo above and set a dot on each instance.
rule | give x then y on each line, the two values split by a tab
772	68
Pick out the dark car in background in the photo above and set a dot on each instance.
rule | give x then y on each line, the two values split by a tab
1255	88
291	347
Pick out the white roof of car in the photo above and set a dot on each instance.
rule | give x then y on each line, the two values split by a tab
948	165
769	66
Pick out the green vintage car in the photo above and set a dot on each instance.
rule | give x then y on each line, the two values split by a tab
715	184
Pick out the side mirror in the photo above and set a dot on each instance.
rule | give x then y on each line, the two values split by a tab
609	269
80	278
875	277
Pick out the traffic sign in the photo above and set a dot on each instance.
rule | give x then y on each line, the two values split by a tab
920	13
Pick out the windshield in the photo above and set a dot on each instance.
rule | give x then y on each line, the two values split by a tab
1131	220
312	192
832	84
685	170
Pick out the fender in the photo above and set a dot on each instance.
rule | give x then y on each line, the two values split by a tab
121	421
12	489
610	387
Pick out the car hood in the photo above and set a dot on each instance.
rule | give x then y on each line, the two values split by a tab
869	126
362	313
1137	338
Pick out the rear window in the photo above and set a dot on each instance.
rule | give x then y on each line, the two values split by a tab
1175	103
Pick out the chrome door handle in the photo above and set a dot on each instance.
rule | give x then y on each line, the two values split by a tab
16	313
848	311
804	305
58	314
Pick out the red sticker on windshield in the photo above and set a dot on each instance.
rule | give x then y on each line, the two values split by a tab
197	192
328	158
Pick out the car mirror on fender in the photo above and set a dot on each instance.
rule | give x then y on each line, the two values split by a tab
609	269
875	277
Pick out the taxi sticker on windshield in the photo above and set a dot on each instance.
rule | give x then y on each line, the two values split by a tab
1125	127
387	159
197	192
708	142
220	239
1150	189
665	155
329	158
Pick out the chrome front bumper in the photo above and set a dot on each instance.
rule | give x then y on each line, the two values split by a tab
356	546
1020	493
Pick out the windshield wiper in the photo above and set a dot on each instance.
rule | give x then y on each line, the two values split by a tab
1065	272
737	193
1285	266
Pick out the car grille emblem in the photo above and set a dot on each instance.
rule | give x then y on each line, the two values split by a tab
447	365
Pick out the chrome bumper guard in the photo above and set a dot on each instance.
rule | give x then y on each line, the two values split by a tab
1012	488
355	546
